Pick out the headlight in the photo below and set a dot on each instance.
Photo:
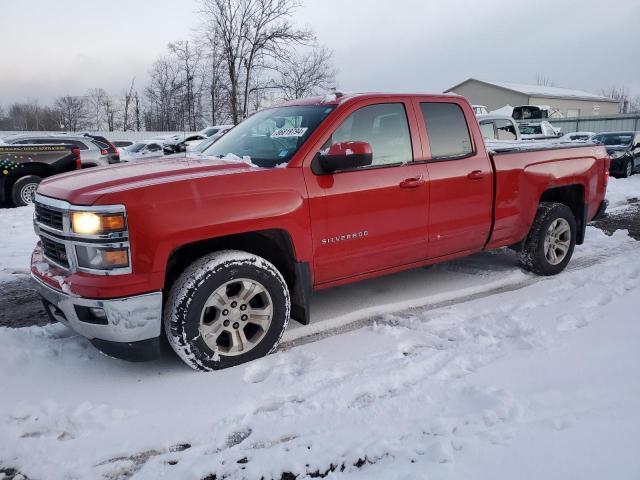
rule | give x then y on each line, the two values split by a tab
91	223
102	258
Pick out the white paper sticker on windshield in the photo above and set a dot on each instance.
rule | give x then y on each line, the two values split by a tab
289	132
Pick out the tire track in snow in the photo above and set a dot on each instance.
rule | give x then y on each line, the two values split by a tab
575	264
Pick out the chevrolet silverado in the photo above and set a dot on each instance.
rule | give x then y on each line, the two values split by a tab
217	253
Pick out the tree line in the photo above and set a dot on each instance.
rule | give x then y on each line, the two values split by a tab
244	55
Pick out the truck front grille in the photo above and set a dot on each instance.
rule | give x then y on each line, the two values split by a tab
49	217
55	251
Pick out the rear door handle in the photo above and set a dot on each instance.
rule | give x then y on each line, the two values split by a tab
414	182
477	175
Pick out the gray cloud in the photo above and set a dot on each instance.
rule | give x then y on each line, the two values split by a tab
403	45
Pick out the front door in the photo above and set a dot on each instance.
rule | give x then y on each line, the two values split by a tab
375	217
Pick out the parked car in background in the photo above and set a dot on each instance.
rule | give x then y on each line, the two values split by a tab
499	128
122	143
538	130
142	150
93	152
22	167
480	109
624	149
214	130
535	112
182	143
576	137
308	195
105	146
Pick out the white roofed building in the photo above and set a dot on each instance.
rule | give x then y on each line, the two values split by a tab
569	102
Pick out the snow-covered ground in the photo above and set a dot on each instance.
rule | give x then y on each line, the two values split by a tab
467	370
621	190
18	240
542	381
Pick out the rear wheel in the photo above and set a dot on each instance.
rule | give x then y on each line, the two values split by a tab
24	189
225	309
551	240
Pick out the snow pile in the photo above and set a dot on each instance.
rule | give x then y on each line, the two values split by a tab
539	381
621	190
18	240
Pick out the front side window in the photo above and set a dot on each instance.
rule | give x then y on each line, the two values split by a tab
447	130
384	127
506	130
271	137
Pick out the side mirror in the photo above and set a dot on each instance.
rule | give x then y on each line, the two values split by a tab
343	156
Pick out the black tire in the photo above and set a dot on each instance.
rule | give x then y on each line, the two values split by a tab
533	256
191	291
628	169
23	190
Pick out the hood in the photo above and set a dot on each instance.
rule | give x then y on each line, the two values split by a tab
84	187
616	148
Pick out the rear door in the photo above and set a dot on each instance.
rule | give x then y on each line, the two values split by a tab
370	218
460	177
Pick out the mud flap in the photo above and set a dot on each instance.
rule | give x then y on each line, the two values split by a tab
300	309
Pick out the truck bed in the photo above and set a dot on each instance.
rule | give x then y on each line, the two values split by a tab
523	172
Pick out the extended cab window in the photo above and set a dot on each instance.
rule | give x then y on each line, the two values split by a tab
487	130
447	130
506	130
382	126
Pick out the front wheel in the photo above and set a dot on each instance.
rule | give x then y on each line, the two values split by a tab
226	308
551	240
24	189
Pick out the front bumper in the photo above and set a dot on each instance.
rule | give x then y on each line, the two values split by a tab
128	322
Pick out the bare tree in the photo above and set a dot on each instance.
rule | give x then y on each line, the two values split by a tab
73	112
95	105
111	113
164	108
620	93
137	111
128	97
306	74
544	81
189	57
214	75
251	33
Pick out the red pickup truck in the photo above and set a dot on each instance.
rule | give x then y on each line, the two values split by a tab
217	253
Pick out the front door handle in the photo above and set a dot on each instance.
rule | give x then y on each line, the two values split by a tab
477	175
414	182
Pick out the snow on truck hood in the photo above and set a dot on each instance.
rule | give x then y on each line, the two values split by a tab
86	186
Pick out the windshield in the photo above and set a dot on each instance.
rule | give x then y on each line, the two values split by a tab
271	137
205	144
530	129
614	138
136	147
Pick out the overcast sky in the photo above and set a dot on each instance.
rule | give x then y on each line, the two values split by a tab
50	48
